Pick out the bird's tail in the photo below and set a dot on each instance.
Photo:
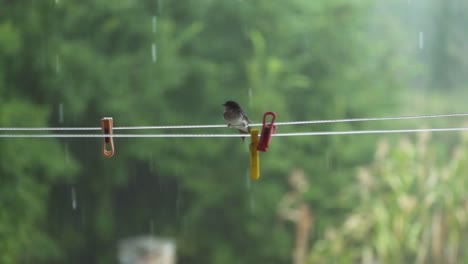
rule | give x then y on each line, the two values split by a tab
244	132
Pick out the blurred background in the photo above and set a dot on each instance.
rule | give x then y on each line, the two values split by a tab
397	198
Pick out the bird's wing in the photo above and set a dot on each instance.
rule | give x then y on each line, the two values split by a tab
246	118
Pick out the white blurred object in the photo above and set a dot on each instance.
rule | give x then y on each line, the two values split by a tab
147	250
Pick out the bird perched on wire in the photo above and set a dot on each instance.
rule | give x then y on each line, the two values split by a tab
236	118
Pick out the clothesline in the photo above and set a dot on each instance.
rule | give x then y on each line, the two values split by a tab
292	134
307	122
212	135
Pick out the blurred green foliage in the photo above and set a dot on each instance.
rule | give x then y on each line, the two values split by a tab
449	63
410	209
175	62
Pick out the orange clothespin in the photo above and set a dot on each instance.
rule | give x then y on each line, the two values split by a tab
107	142
267	131
254	159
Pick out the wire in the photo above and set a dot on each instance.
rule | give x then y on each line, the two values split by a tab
174	127
370	119
49	128
365	119
319	133
385	131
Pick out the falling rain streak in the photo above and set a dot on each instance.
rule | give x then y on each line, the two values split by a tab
154	23
67	153
250	97
73	195
153	52
151	166
152	227
250	192
178	202
57	64
421	40
60	113
252	204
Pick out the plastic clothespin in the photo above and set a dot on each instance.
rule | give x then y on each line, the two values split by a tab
254	159
267	131
107	142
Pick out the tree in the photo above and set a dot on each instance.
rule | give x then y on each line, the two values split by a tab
176	62
26	173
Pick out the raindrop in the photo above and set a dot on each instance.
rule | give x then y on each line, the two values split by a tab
250	191
57	64
159	6
252	204
154	24
183	224
151	166
153	52
60	113
421	40
57	2
67	153
152	227
73	195
250	96
307	40
83	215
178	202
328	159
245	33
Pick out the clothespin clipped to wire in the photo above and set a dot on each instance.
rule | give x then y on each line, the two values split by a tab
254	159
267	131
107	142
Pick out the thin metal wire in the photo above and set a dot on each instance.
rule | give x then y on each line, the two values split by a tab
365	119
49	128
121	135
174	127
319	133
307	122
384	131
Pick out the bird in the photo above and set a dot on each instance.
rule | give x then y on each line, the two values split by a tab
236	118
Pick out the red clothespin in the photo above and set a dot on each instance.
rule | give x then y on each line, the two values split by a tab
267	131
107	142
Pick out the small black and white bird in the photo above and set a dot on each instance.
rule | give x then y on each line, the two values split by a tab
236	118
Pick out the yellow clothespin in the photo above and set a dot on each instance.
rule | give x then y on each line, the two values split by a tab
254	159
107	142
